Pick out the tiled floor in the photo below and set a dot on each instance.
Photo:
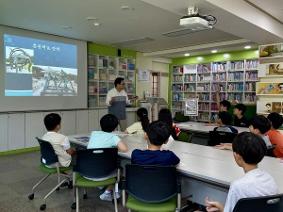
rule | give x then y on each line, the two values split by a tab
18	173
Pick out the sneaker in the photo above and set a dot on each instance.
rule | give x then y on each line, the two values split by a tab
118	194
106	196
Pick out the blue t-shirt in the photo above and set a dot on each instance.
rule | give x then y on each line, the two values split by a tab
100	139
156	157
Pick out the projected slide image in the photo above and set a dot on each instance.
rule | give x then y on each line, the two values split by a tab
19	60
37	67
53	81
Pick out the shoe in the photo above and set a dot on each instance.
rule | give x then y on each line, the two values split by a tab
118	194
106	196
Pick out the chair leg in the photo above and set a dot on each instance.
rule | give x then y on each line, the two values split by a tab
39	182
77	199
115	201
50	192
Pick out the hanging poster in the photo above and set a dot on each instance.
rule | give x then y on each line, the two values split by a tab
191	107
143	75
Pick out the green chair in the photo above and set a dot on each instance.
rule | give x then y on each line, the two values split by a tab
48	157
151	189
184	136
96	164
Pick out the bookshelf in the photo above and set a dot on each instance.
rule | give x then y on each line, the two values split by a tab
236	80
269	89
102	71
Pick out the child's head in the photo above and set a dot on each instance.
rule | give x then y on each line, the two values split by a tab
158	133
248	148
224	105
259	125
224	118
239	109
143	117
52	122
108	123
165	116
275	119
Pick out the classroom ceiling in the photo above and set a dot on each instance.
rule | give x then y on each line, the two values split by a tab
134	24
273	7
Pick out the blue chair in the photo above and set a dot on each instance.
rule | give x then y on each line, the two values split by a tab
151	189
96	164
272	203
48	158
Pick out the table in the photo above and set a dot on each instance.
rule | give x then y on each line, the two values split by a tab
205	171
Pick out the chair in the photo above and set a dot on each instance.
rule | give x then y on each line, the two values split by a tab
95	163
272	203
270	150
184	136
48	157
151	188
217	137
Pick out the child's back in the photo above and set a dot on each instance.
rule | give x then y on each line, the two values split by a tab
224	121
157	134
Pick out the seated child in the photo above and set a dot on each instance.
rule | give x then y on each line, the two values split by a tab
248	149
165	116
224	123
105	139
259	125
239	119
157	134
275	136
59	142
140	126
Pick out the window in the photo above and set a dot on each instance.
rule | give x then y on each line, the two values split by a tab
155	84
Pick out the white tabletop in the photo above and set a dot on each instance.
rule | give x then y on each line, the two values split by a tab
203	162
203	127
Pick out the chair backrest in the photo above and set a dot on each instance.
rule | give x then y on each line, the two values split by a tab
48	155
96	163
270	150
151	184
217	137
272	203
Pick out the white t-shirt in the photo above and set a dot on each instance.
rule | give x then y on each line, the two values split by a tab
113	92
135	128
254	183
60	144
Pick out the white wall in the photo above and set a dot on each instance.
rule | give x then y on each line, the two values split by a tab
155	65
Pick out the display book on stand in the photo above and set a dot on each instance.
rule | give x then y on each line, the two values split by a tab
269	89
235	79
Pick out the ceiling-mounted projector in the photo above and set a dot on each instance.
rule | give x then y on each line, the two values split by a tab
195	21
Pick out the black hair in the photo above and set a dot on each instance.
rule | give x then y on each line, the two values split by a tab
225	117
118	80
226	104
158	133
241	107
261	123
250	146
143	117
51	121
108	123
276	120
165	116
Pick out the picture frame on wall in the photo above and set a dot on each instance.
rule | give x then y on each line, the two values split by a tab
275	69
269	88
268	106
143	75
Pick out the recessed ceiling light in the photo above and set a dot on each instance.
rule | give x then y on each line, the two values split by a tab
199	58
91	18
226	55
96	24
66	27
125	7
214	51
247	47
187	54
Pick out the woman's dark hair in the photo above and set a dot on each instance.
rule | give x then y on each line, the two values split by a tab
118	80
165	116
143	117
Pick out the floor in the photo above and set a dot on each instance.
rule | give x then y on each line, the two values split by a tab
20	172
